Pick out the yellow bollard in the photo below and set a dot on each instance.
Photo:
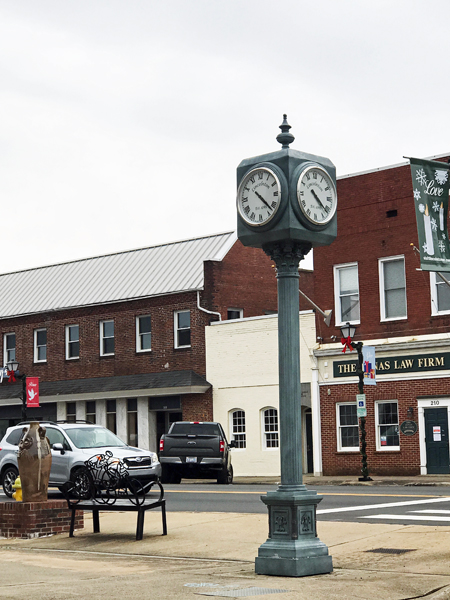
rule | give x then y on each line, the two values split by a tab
18	493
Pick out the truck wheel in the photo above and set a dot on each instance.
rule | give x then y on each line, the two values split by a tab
166	474
225	476
9	476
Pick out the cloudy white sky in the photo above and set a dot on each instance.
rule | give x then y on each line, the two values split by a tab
123	121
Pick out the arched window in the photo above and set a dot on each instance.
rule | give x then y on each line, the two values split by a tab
237	427
270	428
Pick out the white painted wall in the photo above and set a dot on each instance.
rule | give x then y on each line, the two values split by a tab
242	366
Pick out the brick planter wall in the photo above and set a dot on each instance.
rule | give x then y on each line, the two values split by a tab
36	519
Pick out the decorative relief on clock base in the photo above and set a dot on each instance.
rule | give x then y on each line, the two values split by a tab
292	548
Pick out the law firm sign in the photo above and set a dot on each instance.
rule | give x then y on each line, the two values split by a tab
395	365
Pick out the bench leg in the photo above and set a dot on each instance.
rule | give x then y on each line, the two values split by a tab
96	521
164	522
72	523
140	525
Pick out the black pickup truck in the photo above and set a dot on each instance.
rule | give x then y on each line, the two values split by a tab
195	450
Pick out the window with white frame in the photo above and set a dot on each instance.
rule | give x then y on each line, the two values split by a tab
40	345
386	421
106	338
346	293
237	427
392	288
143	333
72	341
9	347
440	294
182	328
235	313
270	428
347	427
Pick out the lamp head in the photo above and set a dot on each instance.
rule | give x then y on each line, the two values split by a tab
12	365
348	331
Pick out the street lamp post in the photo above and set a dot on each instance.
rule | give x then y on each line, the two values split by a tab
347	332
13	367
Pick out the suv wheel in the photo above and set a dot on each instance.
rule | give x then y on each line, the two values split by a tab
83	487
9	476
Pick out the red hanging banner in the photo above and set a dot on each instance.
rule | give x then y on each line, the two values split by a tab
33	392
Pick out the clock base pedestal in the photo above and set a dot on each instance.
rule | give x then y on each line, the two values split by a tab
293	548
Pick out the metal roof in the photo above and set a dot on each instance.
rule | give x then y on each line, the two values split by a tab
153	271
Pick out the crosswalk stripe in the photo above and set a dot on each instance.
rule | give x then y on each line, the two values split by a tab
434	512
377	506
406	517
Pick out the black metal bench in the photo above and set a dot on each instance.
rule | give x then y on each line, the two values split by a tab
105	485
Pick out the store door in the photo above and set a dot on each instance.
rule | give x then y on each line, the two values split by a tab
436	440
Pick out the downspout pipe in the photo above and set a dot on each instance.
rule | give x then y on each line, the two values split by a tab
209	312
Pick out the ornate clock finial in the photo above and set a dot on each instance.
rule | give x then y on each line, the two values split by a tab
285	138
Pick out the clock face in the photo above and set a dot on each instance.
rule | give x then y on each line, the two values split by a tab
259	196
316	195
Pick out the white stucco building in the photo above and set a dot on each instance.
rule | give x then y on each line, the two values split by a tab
242	366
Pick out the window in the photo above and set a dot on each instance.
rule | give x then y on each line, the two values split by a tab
392	288
386	417
71	412
111	417
90	411
237	427
9	347
132	422
235	313
183	329
143	334
440	294
106	338
56	437
347	427
40	345
346	293
270	428
72	342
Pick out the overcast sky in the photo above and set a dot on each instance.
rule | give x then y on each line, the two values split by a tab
123	121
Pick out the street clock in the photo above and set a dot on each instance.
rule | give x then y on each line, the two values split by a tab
286	195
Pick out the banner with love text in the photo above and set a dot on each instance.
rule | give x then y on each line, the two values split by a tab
430	180
32	385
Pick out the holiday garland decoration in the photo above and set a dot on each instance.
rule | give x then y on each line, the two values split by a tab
430	181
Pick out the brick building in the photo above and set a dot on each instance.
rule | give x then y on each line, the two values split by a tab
370	276
120	339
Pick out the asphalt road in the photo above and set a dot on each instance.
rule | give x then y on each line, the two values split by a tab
420	505
387	504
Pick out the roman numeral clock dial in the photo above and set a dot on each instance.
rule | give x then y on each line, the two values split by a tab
259	195
316	195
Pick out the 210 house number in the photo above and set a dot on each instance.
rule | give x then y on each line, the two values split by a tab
435	403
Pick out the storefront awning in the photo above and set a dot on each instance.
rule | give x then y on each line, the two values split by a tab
123	386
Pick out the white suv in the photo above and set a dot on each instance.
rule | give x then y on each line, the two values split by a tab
72	444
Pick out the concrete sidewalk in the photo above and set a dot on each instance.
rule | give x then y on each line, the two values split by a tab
212	554
311	481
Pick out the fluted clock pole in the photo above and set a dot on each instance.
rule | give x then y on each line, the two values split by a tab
292	548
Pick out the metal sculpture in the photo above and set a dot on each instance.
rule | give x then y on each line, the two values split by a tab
105	479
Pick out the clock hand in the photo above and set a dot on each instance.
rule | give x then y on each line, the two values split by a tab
262	200
317	198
